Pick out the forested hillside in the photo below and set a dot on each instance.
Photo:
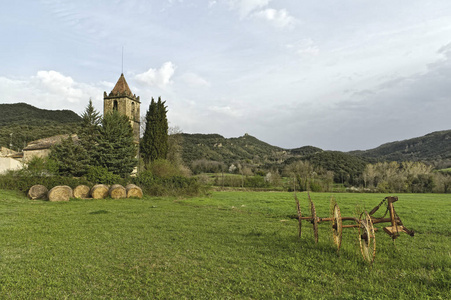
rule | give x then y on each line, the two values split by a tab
228	150
22	123
433	148
212	151
25	114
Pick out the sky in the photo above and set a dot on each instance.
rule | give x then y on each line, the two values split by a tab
338	75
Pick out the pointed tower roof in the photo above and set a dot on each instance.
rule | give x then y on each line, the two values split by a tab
121	88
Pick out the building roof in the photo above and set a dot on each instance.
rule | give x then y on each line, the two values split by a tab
4	152
48	142
121	88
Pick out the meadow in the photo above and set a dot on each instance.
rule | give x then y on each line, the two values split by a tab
227	245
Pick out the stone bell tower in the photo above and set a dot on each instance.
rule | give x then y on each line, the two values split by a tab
125	102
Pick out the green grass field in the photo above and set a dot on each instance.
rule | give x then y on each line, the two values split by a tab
229	245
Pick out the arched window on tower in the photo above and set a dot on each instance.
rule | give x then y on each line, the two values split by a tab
133	111
115	105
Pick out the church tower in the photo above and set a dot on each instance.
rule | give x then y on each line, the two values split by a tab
125	102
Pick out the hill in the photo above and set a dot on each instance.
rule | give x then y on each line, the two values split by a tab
25	114
228	150
434	148
256	154
22	123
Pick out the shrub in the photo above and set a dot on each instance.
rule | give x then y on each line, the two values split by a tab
20	181
167	186
207	166
256	181
163	168
102	175
38	166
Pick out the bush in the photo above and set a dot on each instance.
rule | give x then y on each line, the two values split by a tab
207	166
102	175
167	186
256	181
20	181
39	166
163	168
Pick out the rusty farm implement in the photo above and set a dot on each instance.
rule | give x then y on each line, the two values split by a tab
365	224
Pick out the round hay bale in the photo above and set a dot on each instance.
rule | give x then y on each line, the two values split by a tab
133	191
99	191
82	191
38	191
117	191
60	193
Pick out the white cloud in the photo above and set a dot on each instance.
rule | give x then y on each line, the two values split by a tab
51	90
157	77
245	7
195	80
211	3
304	47
226	111
280	18
56	83
259	9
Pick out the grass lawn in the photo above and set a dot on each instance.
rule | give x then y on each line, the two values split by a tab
229	245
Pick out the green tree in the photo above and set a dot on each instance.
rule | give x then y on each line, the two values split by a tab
155	140
70	156
114	147
91	117
90	130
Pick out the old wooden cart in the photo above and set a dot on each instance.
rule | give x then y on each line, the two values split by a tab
365	224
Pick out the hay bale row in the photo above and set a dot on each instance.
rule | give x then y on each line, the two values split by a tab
99	191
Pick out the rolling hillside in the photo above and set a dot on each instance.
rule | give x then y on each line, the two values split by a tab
218	148
22	123
25	114
434	147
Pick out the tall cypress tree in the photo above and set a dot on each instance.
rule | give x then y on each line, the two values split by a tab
155	140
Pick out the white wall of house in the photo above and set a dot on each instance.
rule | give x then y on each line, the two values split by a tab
29	154
8	163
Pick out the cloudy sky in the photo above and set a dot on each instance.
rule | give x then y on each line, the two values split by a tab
339	75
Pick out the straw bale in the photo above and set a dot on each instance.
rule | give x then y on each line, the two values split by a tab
38	191
82	191
60	193
117	191
133	191
99	191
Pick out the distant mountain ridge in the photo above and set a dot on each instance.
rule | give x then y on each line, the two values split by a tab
218	148
26	114
21	123
432	147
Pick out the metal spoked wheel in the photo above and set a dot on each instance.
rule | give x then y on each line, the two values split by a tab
299	215
314	221
367	237
337	227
